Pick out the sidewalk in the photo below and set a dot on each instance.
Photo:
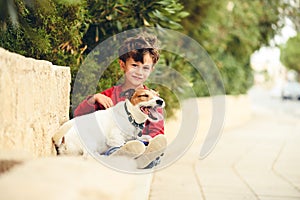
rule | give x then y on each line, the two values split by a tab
257	160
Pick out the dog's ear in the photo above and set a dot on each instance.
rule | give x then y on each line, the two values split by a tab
128	93
156	93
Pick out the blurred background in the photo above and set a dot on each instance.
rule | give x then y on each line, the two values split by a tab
254	45
251	42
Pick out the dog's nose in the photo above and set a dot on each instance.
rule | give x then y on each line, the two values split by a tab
159	102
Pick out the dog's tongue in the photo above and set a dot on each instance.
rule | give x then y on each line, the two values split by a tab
154	114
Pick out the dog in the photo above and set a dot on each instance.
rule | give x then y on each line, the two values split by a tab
113	127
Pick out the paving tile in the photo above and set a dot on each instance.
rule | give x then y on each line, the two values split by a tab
266	183
175	182
226	196
258	160
278	198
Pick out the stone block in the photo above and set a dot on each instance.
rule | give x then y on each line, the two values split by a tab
34	97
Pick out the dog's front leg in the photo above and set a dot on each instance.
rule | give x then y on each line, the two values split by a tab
114	138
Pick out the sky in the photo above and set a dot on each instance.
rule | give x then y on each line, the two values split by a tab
271	55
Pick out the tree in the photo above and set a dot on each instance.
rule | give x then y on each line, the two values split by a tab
231	31
65	31
290	53
112	17
46	29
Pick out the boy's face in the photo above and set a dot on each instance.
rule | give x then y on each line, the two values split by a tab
136	73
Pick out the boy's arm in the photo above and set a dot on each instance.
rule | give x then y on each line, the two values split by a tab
89	105
86	107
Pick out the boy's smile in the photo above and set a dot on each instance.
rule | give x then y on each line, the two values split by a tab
136	73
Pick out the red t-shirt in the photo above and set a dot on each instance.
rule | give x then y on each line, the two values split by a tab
114	92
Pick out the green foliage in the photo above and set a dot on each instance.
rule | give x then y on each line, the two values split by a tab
66	31
231	31
290	53
113	17
47	30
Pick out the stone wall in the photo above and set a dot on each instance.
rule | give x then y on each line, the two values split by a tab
34	102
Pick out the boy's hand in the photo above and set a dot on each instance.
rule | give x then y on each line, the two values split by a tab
101	99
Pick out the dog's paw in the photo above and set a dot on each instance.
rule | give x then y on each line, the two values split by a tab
115	140
57	142
115	143
64	149
61	149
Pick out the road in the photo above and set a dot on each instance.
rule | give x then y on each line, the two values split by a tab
262	100
258	160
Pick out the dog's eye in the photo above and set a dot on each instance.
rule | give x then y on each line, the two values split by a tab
144	95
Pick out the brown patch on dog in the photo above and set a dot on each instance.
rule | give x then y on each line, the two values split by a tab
142	95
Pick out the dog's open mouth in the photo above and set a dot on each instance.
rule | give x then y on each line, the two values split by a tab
151	112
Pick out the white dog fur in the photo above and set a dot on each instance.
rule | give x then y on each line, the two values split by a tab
100	130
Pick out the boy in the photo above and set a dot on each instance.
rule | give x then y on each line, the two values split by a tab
137	57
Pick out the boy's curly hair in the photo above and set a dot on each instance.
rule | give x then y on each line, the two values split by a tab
136	47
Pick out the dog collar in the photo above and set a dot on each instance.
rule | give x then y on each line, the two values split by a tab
133	122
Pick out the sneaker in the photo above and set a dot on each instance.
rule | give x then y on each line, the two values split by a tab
153	151
131	149
153	163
